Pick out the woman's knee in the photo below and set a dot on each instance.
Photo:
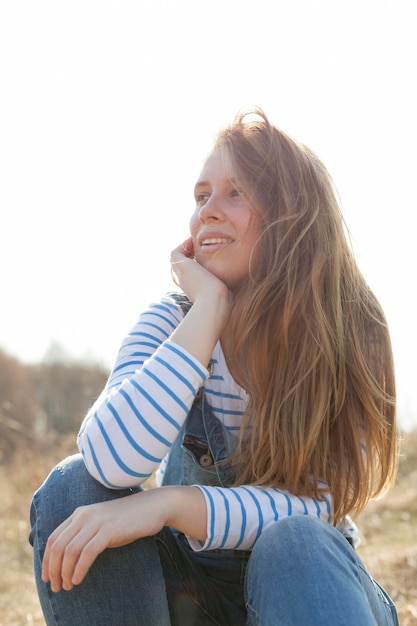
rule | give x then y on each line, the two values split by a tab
292	539
298	544
305	571
67	487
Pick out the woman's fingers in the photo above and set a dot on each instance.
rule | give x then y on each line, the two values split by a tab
74	546
184	267
191	276
70	551
76	567
185	248
52	559
66	561
182	252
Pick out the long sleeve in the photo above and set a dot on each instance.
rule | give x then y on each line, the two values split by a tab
237	516
132	425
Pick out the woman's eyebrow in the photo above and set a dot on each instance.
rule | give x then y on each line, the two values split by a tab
205	183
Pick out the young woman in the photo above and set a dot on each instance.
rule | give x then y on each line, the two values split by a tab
263	397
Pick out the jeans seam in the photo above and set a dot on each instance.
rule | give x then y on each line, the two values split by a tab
253	611
375	585
39	544
382	594
184	584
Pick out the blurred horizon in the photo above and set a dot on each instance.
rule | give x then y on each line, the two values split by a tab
107	111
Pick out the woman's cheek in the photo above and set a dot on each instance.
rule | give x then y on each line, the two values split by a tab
194	225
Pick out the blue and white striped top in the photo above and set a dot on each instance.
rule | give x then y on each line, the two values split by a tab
129	430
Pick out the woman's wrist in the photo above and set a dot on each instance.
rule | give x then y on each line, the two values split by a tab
185	510
203	325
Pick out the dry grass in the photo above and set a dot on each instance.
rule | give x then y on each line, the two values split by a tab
19	603
389	530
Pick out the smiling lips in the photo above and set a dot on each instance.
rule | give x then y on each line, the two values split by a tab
211	240
211	244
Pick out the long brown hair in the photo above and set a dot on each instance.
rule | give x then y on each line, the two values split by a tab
311	344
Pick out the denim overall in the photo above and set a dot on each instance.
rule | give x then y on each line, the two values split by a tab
199	457
132	585
199	454
127	586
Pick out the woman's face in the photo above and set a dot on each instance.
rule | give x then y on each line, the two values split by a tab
224	228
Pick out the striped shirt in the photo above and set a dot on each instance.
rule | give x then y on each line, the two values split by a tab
130	428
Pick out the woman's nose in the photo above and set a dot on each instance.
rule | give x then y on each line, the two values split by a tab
211	210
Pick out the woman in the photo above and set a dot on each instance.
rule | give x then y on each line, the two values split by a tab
267	406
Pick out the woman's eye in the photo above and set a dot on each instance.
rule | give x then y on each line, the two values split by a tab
237	193
201	198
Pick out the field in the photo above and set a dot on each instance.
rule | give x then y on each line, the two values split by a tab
389	535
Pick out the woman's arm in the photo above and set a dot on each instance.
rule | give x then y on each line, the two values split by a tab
133	424
237	516
159	370
74	546
211	517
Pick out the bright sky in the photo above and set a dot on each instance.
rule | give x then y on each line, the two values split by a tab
107	110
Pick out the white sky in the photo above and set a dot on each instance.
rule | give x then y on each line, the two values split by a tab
108	108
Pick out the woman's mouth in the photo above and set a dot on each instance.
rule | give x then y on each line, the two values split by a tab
211	244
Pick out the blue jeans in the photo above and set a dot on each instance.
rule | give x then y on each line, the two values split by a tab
152	582
300	571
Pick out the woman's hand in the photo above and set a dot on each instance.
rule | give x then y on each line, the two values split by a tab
192	277
203	326
74	546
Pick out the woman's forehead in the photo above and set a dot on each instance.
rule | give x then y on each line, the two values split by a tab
218	164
